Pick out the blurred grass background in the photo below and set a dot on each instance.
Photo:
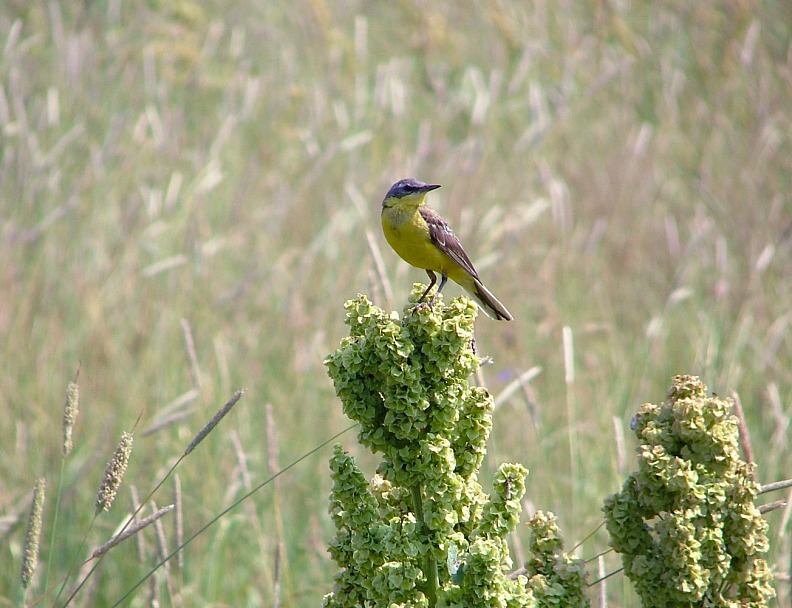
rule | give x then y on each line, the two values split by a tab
190	191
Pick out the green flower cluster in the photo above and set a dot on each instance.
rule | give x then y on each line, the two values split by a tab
376	542
382	549
555	578
422	532
685	523
406	383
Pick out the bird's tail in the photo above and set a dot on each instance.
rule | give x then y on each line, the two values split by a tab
489	303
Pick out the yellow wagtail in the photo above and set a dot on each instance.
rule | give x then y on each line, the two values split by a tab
424	239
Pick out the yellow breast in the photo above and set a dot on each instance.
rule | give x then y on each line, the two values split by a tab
408	234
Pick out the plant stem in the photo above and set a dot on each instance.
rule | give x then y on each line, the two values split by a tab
430	567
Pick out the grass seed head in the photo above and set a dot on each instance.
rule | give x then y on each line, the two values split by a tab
114	473
32	534
70	411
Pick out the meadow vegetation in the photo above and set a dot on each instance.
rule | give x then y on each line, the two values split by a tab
189	192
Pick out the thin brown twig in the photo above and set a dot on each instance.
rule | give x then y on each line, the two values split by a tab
776	485
588	536
512	576
607	576
772	506
598	555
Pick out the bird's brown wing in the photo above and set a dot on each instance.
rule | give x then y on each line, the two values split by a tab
444	238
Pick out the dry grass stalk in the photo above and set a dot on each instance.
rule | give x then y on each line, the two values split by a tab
140	539
176	411
602	596
131	531
272	459
247	483
621	453
163	552
190	344
178	522
166	422
272	441
276	583
745	439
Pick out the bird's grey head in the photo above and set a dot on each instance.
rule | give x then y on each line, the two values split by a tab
408	187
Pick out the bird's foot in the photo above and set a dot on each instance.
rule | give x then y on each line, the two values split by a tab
422	305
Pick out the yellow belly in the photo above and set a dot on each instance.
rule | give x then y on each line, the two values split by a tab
408	234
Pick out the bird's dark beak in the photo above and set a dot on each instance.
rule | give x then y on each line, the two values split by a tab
429	187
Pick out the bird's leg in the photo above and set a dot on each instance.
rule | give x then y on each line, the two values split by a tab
432	281
439	289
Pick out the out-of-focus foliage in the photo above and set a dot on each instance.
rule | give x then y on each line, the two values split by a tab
685	523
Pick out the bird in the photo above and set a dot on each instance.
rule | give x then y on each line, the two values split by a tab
425	240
